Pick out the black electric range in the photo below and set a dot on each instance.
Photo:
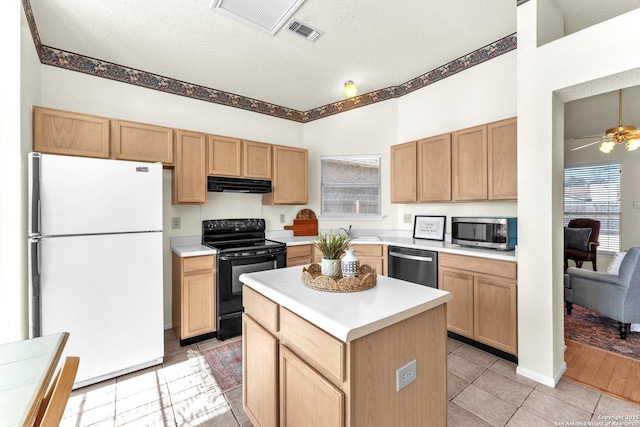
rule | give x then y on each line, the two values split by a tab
241	248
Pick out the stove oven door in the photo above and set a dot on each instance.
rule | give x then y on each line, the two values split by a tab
229	288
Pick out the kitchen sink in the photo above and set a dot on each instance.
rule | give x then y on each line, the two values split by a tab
366	239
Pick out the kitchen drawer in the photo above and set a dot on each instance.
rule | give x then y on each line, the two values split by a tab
321	350
506	269
198	263
367	250
261	309
299	251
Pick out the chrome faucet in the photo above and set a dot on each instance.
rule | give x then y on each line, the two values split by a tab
346	231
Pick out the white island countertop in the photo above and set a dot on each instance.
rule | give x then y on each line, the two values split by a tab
346	316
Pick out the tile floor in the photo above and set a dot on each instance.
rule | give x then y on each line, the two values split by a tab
484	390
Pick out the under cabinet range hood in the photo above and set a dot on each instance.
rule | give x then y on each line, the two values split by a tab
219	184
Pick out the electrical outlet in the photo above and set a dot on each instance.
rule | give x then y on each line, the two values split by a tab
175	223
407	218
636	205
406	375
281	218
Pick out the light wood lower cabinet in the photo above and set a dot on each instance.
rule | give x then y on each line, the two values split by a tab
324	382
260	392
306	397
193	296
484	305
372	255
299	255
72	134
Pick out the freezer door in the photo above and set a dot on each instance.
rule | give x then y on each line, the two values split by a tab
106	291
76	195
34	288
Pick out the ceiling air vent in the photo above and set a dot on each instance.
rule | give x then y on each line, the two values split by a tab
267	16
304	30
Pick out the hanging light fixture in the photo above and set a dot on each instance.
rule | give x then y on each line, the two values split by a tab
350	89
628	135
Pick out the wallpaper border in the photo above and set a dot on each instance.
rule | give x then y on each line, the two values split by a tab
96	67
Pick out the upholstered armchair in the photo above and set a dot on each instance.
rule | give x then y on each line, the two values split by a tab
576	246
614	296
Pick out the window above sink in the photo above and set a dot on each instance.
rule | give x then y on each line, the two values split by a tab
350	186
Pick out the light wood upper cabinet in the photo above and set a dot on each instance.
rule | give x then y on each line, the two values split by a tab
238	158
189	174
290	177
469	164
142	142
403	173
224	156
503	159
73	134
434	169
256	160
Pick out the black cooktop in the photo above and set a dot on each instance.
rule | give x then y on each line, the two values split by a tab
237	235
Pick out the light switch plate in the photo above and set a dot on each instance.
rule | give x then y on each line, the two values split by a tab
407	218
636	205
406	375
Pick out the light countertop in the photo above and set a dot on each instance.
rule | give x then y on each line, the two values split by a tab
188	246
346	316
191	246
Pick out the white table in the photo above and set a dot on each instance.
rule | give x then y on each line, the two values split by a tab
26	370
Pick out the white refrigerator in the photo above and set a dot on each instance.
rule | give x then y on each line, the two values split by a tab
95	261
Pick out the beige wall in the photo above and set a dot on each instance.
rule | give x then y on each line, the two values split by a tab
552	71
19	88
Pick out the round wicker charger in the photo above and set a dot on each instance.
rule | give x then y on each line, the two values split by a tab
313	278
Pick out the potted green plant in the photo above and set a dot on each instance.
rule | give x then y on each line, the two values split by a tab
332	245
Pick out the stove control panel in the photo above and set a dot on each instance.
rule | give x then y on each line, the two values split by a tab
212	226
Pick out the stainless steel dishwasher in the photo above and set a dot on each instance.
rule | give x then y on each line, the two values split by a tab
414	265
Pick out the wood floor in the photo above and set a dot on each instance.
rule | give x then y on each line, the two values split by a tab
606	372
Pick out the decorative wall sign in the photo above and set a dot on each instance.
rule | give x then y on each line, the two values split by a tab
429	227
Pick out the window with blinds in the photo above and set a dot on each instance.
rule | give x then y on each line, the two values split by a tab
350	185
594	192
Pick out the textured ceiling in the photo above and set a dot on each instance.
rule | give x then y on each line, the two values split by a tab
375	43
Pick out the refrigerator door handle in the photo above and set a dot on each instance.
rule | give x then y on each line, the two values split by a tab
36	307
34	193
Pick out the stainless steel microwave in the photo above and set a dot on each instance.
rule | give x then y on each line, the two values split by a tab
487	232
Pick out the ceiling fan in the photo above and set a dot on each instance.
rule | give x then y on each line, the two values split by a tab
617	135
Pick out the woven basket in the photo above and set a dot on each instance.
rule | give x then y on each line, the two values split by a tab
312	278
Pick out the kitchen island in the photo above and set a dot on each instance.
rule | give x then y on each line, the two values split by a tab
318	358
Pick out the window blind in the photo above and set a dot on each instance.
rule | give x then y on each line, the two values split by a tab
350	185
594	192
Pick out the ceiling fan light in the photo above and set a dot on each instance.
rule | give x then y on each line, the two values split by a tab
633	144
606	147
